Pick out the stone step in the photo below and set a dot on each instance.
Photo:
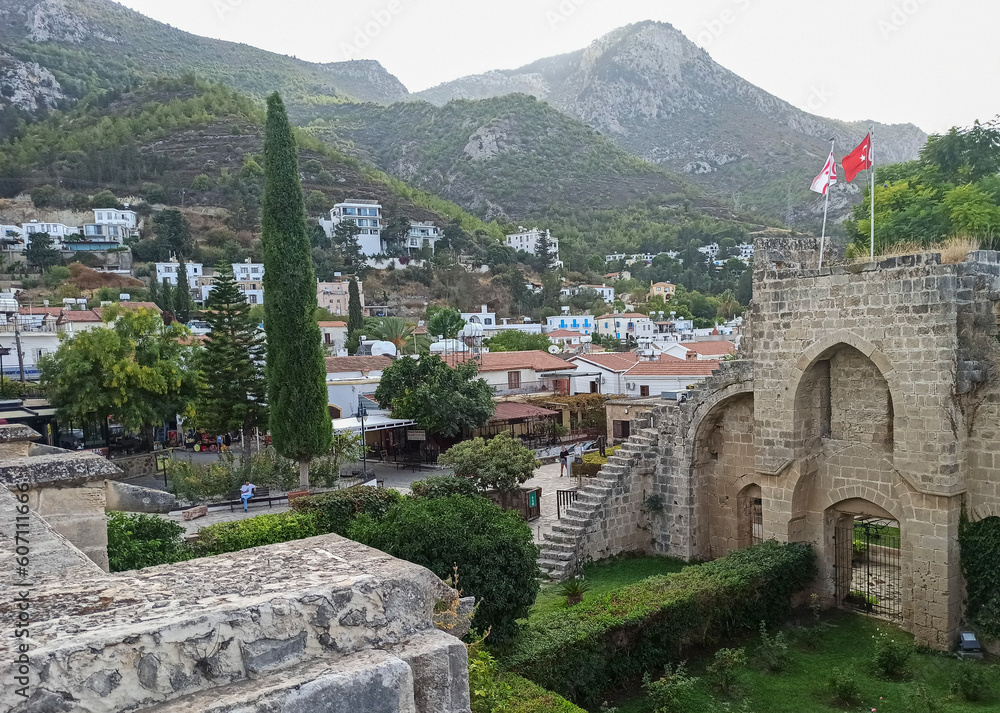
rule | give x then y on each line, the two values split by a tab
557	556
590	498
559	538
559	546
571	530
575	518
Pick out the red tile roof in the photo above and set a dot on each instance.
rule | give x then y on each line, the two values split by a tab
564	333
49	311
507	361
673	367
616	361
512	410
710	348
85	315
341	365
333	324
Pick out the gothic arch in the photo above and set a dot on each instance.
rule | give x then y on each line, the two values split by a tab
813	352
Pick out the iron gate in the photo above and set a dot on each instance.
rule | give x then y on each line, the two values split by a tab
867	566
757	521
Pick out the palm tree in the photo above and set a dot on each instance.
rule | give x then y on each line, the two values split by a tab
397	331
729	306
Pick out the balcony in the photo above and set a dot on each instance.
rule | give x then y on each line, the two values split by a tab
524	387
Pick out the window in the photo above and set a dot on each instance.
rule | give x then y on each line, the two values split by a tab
253	299
644	390
513	380
255	270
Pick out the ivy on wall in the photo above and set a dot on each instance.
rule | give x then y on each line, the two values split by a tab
980	548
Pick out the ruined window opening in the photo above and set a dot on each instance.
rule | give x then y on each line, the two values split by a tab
868	570
825	398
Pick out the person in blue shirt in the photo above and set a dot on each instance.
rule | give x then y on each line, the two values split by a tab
247	491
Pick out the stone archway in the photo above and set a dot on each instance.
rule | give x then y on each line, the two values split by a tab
750	516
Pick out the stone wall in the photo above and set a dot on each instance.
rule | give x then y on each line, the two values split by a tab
322	625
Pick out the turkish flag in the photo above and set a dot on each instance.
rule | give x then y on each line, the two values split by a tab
858	160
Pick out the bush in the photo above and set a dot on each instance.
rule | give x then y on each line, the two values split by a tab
526	697
590	648
197	483
773	651
254	532
443	486
335	510
44	196
493	692
494	551
889	655
674	693
844	686
55	276
971	683
136	541
922	700
980	550
726	667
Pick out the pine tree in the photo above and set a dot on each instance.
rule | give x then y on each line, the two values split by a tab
182	297
233	394
345	239
296	368
355	316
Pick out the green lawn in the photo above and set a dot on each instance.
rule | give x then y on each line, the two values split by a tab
605	576
802	687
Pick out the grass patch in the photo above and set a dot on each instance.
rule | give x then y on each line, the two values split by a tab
849	643
606	576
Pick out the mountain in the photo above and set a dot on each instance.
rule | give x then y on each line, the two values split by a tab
92	44
508	158
660	97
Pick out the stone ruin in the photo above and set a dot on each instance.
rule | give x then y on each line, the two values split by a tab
321	625
862	393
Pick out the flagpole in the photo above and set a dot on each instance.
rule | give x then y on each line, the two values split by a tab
871	198
826	208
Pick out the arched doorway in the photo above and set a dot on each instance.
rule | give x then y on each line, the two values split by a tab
868	570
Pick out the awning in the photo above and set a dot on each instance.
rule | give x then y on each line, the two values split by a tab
516	411
16	413
372	423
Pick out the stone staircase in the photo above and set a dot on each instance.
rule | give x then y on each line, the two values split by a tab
561	550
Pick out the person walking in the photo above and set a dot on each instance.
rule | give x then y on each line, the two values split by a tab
247	491
563	461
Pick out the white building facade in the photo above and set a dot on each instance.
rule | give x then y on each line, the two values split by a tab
527	241
168	271
582	323
250	280
367	215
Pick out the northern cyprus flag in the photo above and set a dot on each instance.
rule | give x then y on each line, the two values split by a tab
827	177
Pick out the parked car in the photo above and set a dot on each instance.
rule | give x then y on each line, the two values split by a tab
72	439
199	327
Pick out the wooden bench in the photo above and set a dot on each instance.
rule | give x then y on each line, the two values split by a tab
196	511
260	496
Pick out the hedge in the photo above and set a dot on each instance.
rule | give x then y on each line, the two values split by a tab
527	697
136	540
335	510
585	650
980	549
254	532
496	555
443	486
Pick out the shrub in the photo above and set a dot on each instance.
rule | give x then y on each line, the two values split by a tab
335	510
889	655
443	486
494	550
773	651
726	667
584	650
971	683
195	482
136	541
55	276
980	549
526	697
844	686
674	692
43	196
254	532
493	692
922	700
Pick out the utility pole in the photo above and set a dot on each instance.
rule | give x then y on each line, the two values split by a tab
17	342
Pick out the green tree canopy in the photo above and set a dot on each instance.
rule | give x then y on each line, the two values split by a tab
183	304
233	389
135	370
296	368
40	252
397	331
355	314
442	399
345	239
445	322
512	340
173	233
501	463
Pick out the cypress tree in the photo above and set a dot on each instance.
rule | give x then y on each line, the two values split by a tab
167	297
355	317
296	368
154	293
182	297
233	394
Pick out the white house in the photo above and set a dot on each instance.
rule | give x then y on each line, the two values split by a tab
126	219
614	373
511	373
614	256
169	270
581	323
57	231
630	325
348	378
335	296
569	340
421	234
333	334
108	233
527	326
527	241
250	280
367	215
38	334
484	317
700	351
710	251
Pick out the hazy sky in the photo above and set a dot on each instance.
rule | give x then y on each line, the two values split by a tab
930	62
